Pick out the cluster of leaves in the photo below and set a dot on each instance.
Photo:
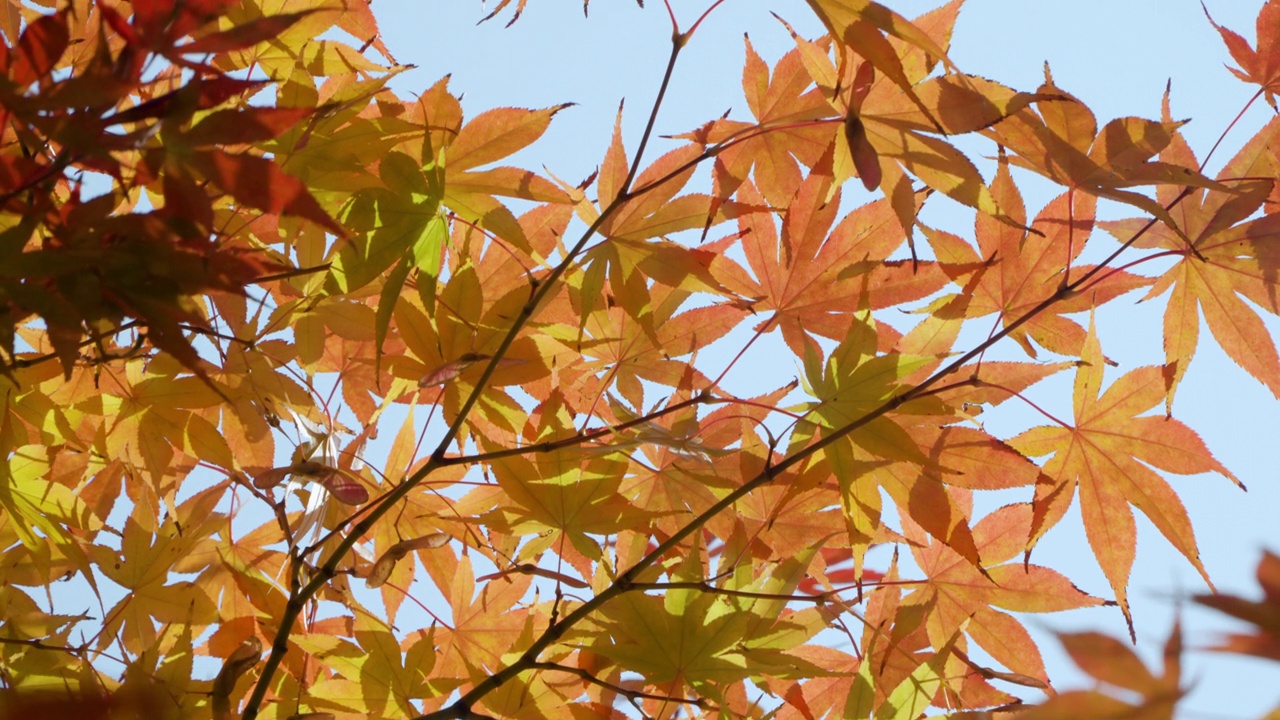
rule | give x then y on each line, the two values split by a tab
88	92
577	508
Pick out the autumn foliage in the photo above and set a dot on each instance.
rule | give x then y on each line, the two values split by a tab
325	409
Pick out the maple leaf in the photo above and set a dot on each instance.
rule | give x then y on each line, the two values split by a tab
142	567
956	597
644	348
858	23
1261	65
782	139
623	269
39	48
860	682
1014	271
651	207
253	181
1226	257
395	223
670	483
243	35
567	494
487	138
1106	455
1061	141
160	415
853	382
880	125
383	675
704	640
898	674
813	277
486	625
890	119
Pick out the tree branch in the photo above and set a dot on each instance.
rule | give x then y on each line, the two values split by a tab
328	570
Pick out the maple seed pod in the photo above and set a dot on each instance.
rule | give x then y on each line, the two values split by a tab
344	486
244	657
452	369
385	564
271	478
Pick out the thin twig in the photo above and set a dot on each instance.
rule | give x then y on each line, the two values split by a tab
704	586
632	694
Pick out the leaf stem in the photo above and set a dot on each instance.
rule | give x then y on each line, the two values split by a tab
1026	400
703	585
689	33
1230	125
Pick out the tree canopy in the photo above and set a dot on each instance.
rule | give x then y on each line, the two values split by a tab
314	404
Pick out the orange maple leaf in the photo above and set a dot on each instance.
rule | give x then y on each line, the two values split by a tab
1224	258
1106	455
784	102
1260	65
815	276
1018	270
1061	140
893	112
956	596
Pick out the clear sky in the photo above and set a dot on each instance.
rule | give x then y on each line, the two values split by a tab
1115	54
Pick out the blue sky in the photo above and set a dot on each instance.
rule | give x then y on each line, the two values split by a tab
1115	54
